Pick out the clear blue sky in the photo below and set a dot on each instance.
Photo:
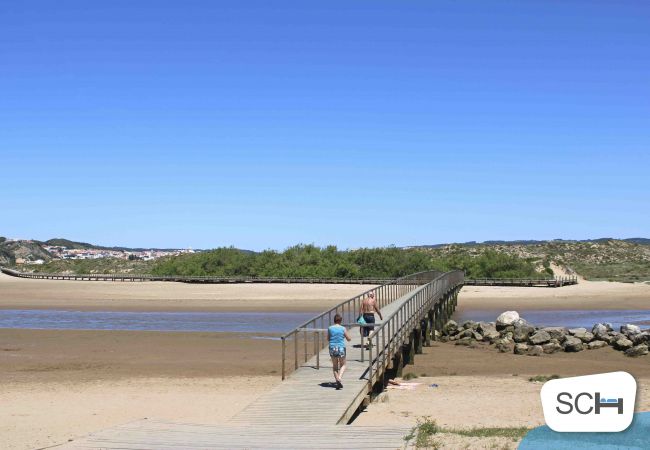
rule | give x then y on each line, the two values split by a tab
263	124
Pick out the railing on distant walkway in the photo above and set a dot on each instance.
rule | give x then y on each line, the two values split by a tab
189	279
311	331
524	282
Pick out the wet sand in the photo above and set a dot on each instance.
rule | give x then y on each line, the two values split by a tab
56	385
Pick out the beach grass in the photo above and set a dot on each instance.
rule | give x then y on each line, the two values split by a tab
426	429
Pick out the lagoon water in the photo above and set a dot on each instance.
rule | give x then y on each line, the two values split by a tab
565	318
274	323
242	322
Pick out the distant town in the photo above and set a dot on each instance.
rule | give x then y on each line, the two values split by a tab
59	252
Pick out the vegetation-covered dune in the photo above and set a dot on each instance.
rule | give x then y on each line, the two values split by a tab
601	259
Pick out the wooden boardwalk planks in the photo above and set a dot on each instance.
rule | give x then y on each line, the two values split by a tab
303	412
153	434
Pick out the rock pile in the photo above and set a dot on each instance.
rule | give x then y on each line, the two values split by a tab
511	333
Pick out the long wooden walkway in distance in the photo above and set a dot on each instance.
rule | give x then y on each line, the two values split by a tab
305	410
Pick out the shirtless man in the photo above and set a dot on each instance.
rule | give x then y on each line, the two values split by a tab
368	309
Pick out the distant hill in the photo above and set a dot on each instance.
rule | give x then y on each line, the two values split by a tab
10	251
83	246
640	241
69	244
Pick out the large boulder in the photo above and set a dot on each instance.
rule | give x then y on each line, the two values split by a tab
574	331
572	344
507	318
639	350
463	334
593	345
468	341
600	331
521	322
641	338
521	349
630	329
585	337
451	327
522	333
623	343
469	324
551	347
539	338
503	345
489	331
556	332
612	337
535	350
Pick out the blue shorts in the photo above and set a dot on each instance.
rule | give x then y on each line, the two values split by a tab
337	352
370	319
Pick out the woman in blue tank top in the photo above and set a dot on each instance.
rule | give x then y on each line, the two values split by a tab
337	334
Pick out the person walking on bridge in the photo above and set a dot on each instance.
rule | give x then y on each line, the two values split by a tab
368	310
337	334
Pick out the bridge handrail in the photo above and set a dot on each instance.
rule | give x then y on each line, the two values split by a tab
350	309
395	327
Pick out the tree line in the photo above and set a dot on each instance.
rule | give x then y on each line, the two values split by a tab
311	261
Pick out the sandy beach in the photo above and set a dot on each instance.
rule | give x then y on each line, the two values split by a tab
19	293
59	385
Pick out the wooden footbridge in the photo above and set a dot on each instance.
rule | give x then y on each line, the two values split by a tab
523	282
305	410
126	277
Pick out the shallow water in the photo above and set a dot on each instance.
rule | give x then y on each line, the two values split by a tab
564	318
242	322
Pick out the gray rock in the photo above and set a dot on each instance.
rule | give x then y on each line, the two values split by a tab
484	327
521	322
468	341
507	318
630	329
507	335
503	346
572	344
521	349
641	338
477	336
540	337
464	334
608	326
622	343
451	327
599	331
551	347
491	336
585	337
593	345
639	350
535	350
556	332
574	331
469	324
521	334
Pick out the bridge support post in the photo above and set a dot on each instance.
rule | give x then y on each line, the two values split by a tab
409	357
398	364
427	329
417	342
